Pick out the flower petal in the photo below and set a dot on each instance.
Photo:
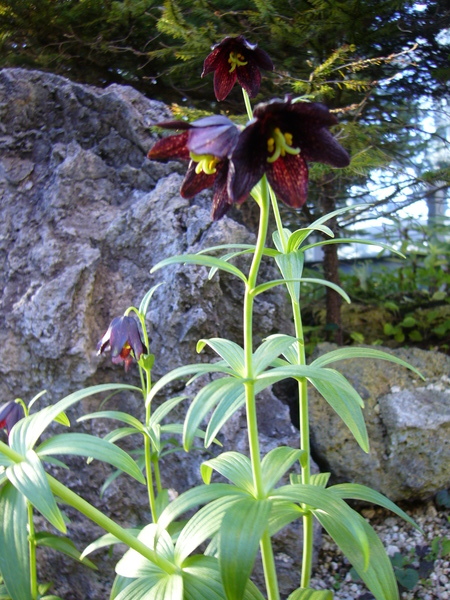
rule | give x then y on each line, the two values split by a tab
217	140
249	78
321	146
170	148
288	177
221	200
248	162
194	183
223	80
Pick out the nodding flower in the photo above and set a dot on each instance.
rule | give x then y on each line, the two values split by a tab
207	143
10	414
236	59
123	339
280	140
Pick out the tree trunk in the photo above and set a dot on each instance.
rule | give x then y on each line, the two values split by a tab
331	273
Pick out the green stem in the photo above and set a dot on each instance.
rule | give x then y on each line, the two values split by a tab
68	497
276	212
248	105
308	532
149	468
32	552
146	382
250	400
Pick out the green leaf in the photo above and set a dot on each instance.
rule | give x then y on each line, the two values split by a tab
296	238
234	466
30	479
194	497
143	306
354	241
62	544
309	594
329	284
26	433
200	259
225	409
346	402
352	352
328	508
133	564
377	573
225	388
270	349
355	491
179	372
283	513
164	409
276	462
83	444
115	415
143	588
408	578
14	555
231	353
291	267
202	580
202	526
240	533
119	434
105	541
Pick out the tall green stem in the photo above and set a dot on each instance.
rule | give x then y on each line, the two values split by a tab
308	532
32	553
250	400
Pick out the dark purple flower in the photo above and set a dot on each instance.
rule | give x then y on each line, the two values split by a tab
236	59
207	143
279	141
10	413
122	338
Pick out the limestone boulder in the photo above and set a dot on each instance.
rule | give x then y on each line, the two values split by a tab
408	422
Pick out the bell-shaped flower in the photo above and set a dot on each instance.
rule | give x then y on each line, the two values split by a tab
236	59
123	339
10	413
281	139
207	143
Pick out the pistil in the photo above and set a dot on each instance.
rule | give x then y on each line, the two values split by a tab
236	59
206	163
280	144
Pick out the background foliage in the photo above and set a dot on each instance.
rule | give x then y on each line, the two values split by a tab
382	65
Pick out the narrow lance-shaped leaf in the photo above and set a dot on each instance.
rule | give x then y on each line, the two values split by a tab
240	533
30	479
231	352
14	555
199	259
234	466
357	352
83	444
26	433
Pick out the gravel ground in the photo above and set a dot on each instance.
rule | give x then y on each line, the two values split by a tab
333	570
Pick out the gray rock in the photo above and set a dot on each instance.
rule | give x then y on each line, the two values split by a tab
408	423
83	218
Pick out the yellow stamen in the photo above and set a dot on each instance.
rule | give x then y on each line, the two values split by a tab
280	145
206	163
236	60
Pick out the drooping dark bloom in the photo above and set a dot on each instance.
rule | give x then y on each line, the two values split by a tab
10	413
122	338
207	143
281	139
233	59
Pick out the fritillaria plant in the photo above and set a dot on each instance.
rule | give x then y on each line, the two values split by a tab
267	160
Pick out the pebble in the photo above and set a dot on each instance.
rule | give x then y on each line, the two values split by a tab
397	536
